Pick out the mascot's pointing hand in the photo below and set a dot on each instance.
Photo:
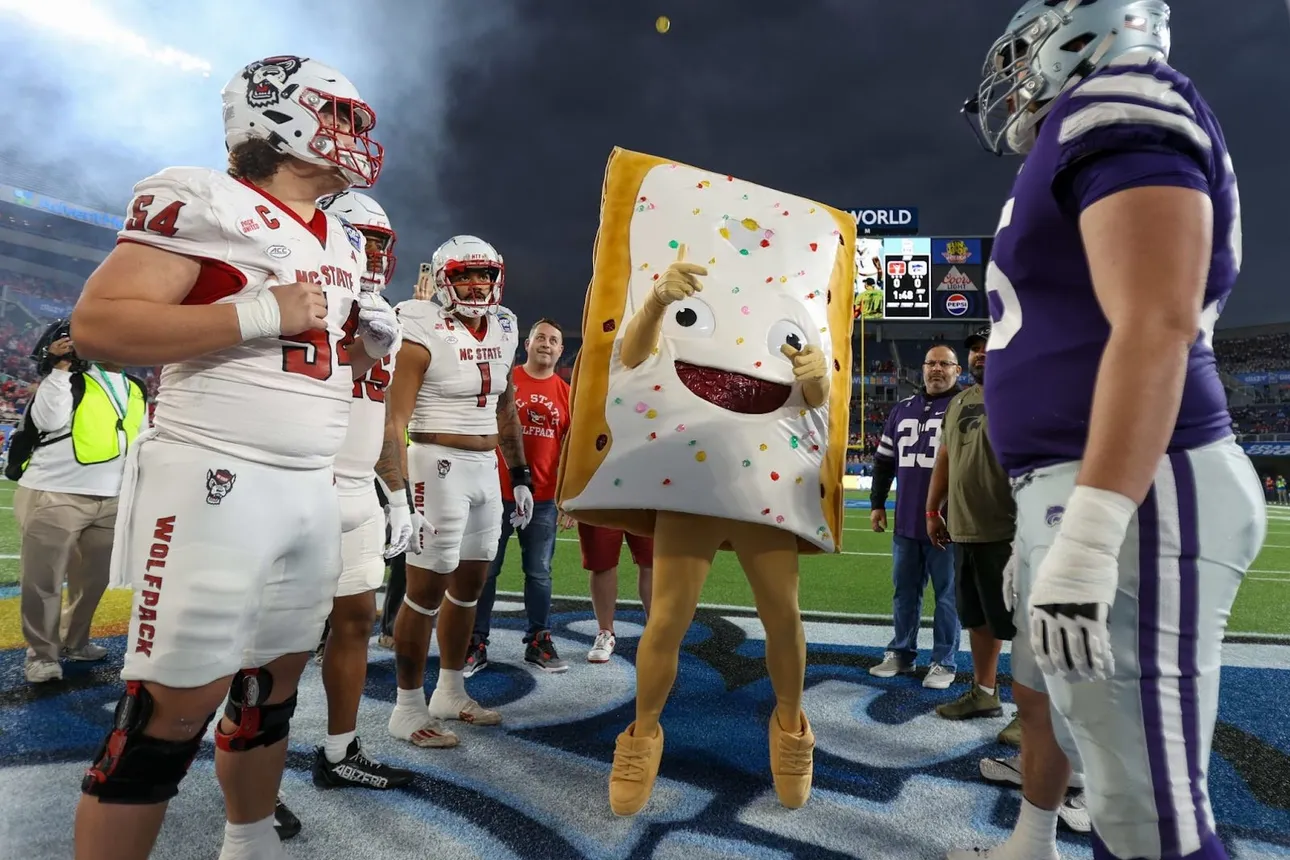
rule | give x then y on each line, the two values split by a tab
811	372
808	362
679	281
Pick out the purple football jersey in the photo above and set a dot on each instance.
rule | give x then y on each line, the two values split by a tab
910	438
1130	125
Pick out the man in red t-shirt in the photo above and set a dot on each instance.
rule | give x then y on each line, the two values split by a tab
542	400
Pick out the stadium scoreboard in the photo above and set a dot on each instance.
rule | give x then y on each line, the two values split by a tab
905	278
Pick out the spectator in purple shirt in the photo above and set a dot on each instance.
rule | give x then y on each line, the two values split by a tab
907	452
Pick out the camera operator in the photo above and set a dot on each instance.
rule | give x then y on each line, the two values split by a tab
69	458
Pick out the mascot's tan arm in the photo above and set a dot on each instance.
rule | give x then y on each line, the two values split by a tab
641	335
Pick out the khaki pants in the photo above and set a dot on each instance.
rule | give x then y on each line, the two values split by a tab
65	538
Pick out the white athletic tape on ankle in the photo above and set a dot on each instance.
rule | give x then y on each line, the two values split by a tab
463	604
429	613
260	318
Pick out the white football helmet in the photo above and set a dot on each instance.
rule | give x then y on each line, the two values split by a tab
367	216
457	255
297	105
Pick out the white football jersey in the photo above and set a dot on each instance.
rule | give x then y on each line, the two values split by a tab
278	401
468	371
355	464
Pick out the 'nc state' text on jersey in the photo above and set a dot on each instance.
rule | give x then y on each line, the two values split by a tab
480	353
326	276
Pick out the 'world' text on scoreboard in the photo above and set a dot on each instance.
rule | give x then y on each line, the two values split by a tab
885	222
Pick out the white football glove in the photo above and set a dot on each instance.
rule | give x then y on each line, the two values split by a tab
523	507
1075	585
420	528
1010	581
378	324
398	525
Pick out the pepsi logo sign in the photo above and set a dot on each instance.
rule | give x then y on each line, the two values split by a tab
956	304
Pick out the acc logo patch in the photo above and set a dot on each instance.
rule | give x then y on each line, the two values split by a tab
278	252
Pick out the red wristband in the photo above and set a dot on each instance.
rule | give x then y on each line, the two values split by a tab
931	514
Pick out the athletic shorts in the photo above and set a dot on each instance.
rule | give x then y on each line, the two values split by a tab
362	543
460	495
979	575
233	563
602	547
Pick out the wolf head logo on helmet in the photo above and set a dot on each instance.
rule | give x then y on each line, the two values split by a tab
265	79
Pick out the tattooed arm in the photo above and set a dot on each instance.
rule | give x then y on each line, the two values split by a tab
400	398
510	435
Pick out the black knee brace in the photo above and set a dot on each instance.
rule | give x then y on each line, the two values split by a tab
132	767
258	724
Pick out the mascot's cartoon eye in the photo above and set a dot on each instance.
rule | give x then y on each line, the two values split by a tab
785	332
690	318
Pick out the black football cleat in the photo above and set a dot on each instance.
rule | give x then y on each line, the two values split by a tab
285	822
357	770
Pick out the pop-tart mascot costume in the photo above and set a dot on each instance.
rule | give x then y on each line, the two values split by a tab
709	411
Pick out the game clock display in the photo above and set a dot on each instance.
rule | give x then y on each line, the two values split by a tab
922	278
907	269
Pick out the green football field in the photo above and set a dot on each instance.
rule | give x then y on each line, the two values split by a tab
858	581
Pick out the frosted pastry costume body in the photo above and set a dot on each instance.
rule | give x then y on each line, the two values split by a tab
717	415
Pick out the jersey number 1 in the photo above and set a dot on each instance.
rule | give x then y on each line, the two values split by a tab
310	352
485	383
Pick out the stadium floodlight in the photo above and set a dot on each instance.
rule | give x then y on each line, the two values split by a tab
80	20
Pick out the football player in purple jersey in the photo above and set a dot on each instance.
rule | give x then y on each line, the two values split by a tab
1117	248
907	452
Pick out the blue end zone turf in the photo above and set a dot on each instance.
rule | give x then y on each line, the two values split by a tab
891	778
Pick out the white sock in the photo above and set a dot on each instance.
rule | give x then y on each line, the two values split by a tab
411	699
451	681
248	834
336	746
989	691
1034	837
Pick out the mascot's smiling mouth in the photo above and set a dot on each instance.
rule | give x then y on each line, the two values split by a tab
733	392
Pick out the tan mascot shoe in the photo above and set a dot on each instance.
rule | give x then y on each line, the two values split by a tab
792	762
635	768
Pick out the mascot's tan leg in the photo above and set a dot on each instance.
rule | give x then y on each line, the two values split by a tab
684	546
769	559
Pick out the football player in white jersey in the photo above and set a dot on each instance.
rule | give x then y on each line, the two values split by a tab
369	455
452	391
229	526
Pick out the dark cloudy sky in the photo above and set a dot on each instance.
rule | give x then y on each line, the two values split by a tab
499	115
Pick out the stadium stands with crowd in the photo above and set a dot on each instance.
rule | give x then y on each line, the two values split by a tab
49	246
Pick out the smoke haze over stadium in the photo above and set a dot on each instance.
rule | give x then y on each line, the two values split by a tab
498	116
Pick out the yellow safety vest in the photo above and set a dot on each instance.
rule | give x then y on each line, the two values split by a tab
97	421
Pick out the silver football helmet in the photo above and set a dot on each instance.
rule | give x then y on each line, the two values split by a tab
460	254
306	109
367	216
1051	45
